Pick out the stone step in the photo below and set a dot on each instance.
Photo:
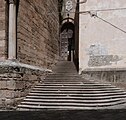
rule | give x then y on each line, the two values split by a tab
65	68
72	104
72	100
71	92
65	89
61	78
68	69
61	74
64	72
72	67
83	89
62	107
39	93
76	91
66	82
80	84
77	98
65	63
74	87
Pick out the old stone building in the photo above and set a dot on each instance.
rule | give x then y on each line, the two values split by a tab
29	44
37	34
32	41
36	29
102	42
105	20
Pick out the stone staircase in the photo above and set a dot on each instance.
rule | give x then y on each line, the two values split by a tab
64	89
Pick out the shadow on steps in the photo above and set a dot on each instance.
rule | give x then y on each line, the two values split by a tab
65	115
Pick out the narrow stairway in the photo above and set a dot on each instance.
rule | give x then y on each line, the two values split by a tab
65	89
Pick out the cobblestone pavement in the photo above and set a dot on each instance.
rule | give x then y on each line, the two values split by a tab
65	115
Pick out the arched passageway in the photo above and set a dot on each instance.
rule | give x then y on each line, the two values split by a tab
67	37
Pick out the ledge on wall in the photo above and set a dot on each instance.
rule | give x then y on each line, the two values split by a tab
104	69
113	75
17	80
11	66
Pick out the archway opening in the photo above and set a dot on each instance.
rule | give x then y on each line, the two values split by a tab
67	40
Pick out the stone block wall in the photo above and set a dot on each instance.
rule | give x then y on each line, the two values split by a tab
2	30
115	76
103	60
38	32
16	81
37	48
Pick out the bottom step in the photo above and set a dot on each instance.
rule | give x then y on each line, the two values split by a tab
39	108
30	105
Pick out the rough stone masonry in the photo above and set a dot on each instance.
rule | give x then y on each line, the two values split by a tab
2	29
37	47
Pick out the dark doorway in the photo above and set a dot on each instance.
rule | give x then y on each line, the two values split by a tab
67	37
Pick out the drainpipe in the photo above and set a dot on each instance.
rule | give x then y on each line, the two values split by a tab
12	30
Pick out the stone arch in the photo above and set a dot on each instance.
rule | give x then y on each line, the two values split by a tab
67	20
67	40
75	23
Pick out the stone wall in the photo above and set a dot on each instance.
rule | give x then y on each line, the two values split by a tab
37	48
103	60
2	30
38	32
115	76
16	81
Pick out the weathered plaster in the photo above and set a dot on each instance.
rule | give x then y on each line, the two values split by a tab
94	31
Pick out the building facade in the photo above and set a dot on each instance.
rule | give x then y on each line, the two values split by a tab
29	45
102	33
36	34
36	38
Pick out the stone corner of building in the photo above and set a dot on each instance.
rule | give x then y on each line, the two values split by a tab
17	80
11	66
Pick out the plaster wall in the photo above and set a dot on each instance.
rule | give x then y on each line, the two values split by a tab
101	44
